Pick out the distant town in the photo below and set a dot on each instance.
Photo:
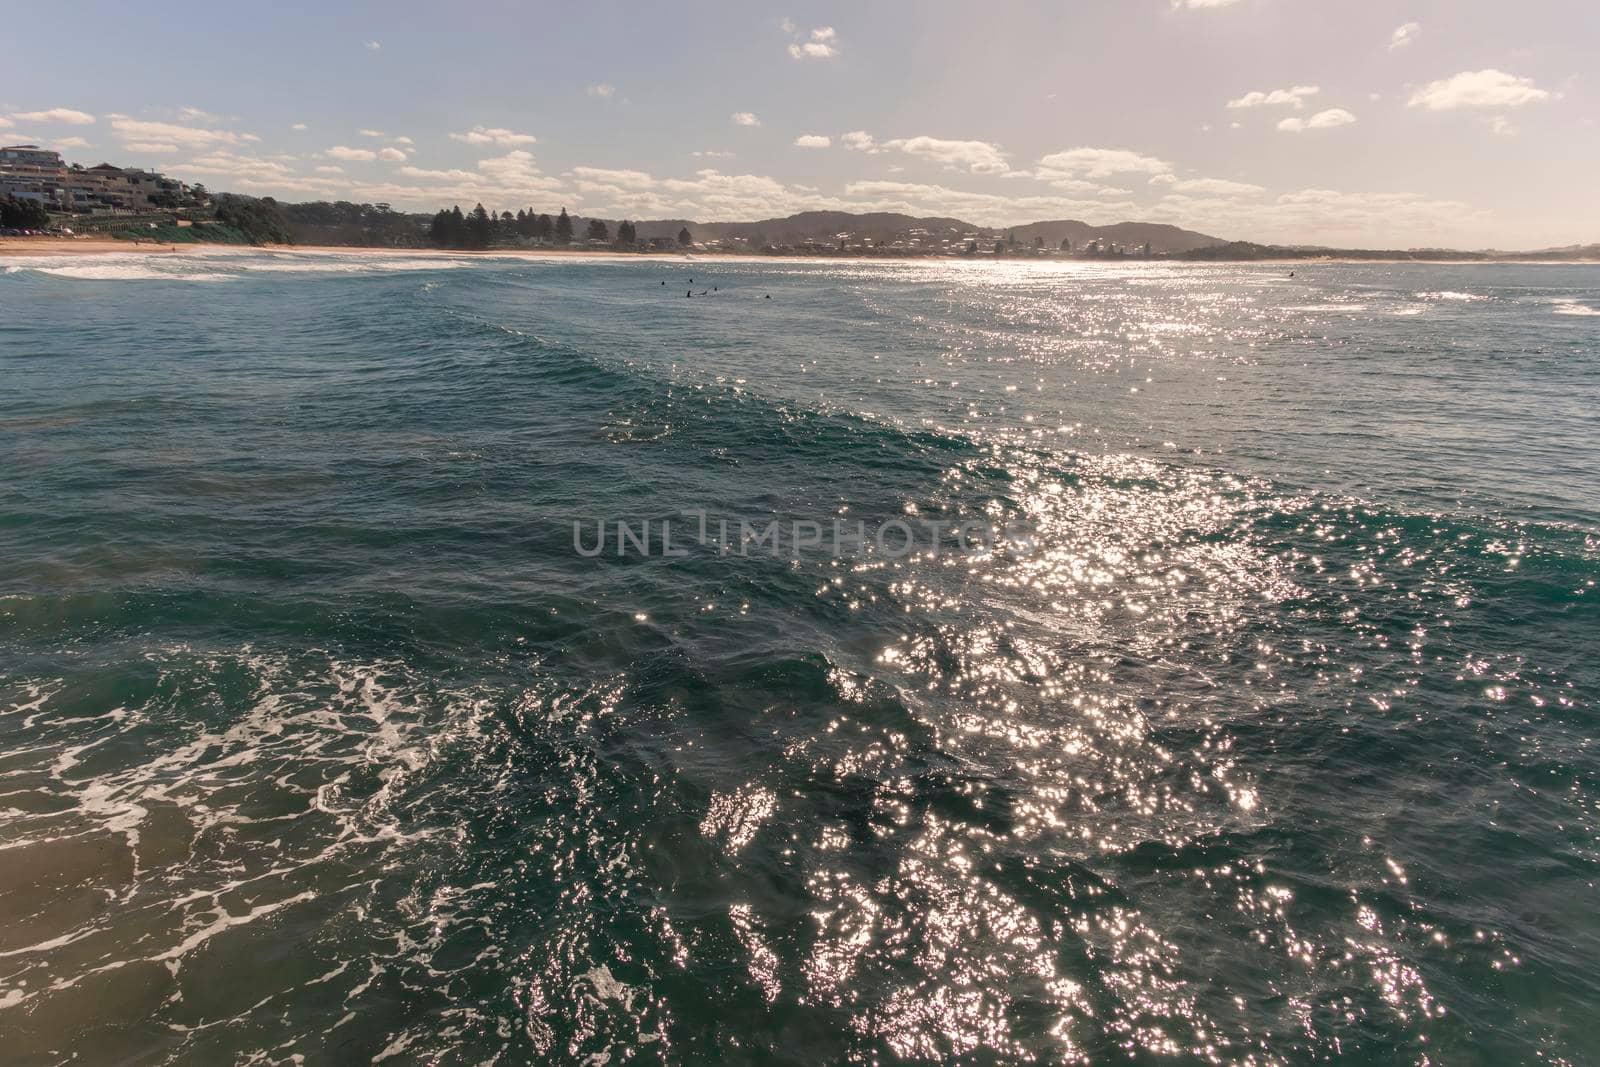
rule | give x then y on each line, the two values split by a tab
43	195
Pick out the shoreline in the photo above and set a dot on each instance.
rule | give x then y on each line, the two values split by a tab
70	246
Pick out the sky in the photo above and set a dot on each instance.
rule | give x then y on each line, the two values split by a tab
1374	123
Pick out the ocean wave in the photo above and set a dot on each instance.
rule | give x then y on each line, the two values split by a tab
128	272
1569	306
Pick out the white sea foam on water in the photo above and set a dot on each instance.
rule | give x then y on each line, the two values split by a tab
1447	294
1328	307
1571	306
129	272
220	265
355	265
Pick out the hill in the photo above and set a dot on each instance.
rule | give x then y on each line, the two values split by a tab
1131	235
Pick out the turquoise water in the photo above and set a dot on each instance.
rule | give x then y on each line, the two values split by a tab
1273	741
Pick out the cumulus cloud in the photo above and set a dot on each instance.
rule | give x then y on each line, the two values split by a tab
711	153
404	140
71	142
194	114
622	179
64	116
603	90
373	46
822	44
352	155
1479	89
299	126
193	137
1322	120
1295	97
254	173
495	135
860	141
1220	187
370	133
148	147
392	155
1097	163
812	140
979	157
1195	5
329	169
745	118
1403	36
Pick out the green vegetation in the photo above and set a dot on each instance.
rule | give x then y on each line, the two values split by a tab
563	228
597	231
202	233
23	215
261	220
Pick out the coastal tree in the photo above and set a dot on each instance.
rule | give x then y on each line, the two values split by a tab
18	214
596	231
684	238
480	228
564	228
544	227
626	234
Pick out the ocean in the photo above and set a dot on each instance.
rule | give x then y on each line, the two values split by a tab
1151	663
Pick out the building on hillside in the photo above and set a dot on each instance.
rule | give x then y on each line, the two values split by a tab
28	172
29	155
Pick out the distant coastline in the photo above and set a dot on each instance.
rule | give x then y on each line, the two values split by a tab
11	247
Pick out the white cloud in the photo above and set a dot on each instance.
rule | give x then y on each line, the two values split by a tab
64	116
623	179
821	44
1501	126
812	140
1295	97
373	46
370	133
979	157
72	142
392	155
745	118
1479	89
1194	5
5	123
126	129
1220	187
255	174
711	153
148	147
299	126
1403	36
986	209
1322	120
352	155
330	169
860	141
604	90
496	135
1097	163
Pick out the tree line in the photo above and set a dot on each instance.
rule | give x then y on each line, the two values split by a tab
480	228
